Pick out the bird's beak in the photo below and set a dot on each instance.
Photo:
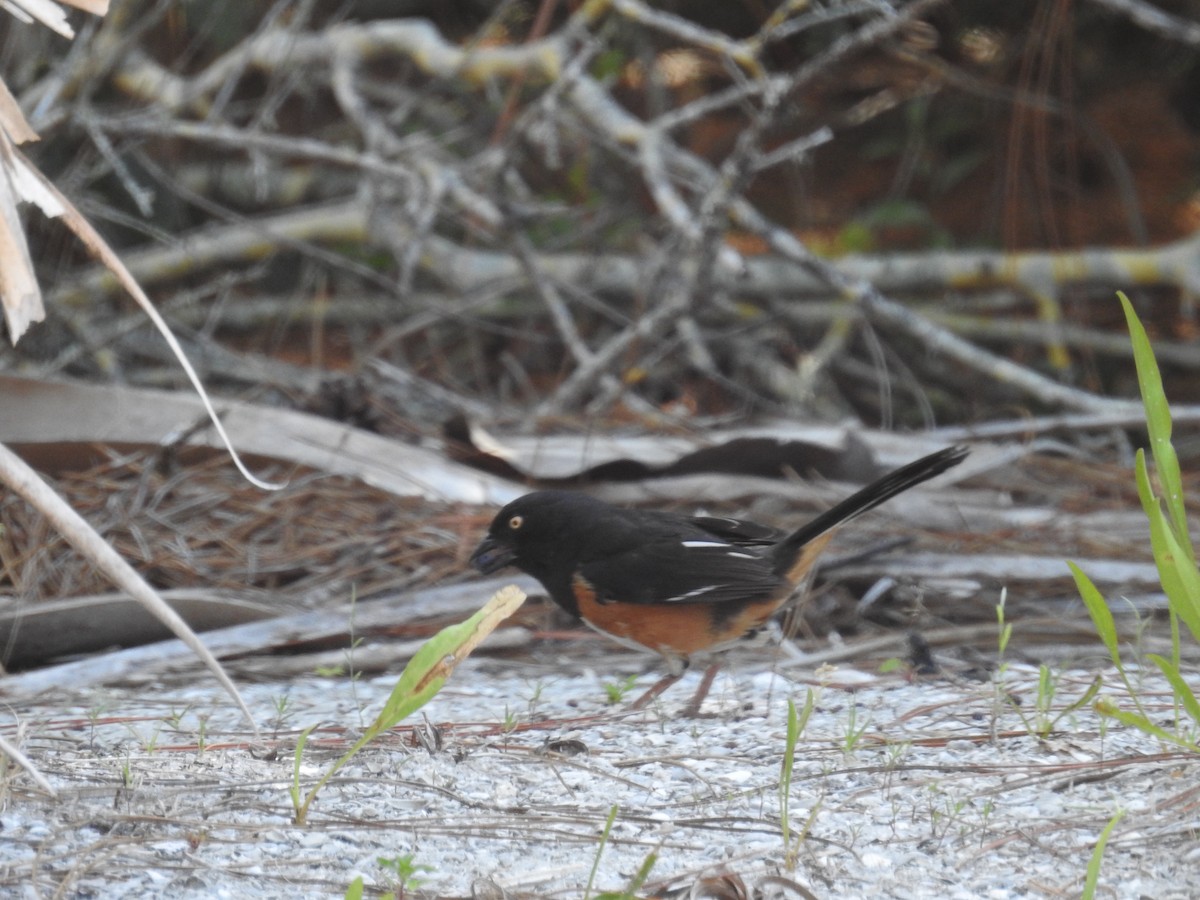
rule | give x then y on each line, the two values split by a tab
492	556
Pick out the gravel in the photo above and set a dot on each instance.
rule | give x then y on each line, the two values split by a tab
901	788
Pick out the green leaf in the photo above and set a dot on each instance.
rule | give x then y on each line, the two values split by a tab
419	682
1183	691
297	758
1097	607
421	679
785	774
431	665
1158	423
608	824
855	237
1186	602
1093	869
355	891
792	735
1143	724
608	64
1176	570
1084	699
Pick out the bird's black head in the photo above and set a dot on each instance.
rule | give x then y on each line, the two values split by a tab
535	533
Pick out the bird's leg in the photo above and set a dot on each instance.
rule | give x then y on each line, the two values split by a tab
692	710
676	666
657	688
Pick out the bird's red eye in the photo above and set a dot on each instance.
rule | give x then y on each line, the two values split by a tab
516	522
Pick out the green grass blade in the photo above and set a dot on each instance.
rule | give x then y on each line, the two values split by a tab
297	759
1165	551
796	723
635	883
1176	569
1143	724
1186	601
1084	699
1183	691
612	817
1097	607
785	775
1158	424
1093	868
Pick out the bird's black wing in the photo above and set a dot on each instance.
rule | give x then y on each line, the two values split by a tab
696	567
738	531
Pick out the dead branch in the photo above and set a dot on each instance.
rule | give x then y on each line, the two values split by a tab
460	205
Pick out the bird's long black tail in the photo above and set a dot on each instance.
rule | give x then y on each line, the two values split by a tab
794	555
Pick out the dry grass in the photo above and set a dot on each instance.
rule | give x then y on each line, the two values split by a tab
316	541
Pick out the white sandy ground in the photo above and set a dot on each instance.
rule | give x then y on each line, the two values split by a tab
942	794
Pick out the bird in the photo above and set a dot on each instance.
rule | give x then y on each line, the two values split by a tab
673	584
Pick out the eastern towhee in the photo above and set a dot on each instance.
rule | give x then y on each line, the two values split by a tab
669	583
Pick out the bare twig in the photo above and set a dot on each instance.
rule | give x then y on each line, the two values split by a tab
1154	19
527	226
14	753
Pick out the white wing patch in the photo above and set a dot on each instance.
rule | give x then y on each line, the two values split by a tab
718	545
691	595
